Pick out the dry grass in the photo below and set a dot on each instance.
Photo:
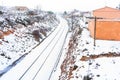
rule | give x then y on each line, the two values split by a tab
68	66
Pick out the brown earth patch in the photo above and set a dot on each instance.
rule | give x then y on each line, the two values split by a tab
110	54
5	33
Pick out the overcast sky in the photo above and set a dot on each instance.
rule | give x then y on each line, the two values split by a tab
62	5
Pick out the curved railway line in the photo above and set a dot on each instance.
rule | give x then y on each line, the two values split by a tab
42	61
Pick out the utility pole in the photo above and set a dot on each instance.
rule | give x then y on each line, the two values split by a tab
95	31
72	22
119	6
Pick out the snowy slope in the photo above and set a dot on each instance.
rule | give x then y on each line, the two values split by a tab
100	62
45	69
18	35
100	68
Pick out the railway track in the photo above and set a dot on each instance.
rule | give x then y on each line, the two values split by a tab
42	61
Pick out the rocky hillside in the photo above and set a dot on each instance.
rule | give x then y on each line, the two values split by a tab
21	31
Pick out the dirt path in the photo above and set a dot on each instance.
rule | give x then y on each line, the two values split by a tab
86	58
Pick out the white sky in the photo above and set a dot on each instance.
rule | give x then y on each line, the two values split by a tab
62	5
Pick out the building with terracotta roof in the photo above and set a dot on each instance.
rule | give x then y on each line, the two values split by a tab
107	12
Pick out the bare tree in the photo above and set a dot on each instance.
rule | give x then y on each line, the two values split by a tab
38	8
118	7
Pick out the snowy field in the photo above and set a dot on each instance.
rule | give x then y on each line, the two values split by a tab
105	67
100	62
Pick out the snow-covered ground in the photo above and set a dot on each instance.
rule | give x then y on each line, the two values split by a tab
57	72
48	52
19	34
88	62
101	68
100	62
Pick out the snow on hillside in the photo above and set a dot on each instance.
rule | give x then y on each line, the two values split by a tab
100	62
104	62
20	33
84	61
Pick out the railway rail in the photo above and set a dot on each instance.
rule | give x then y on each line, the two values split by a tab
42	61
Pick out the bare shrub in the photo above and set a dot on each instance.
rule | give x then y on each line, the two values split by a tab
36	34
43	32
